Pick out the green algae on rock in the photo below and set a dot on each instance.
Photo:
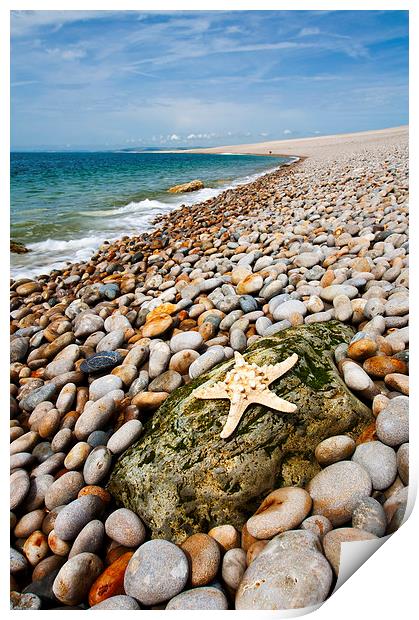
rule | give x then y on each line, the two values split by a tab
182	478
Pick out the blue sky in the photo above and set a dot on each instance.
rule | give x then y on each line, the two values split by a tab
128	78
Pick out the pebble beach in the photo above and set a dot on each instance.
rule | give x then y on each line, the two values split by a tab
96	348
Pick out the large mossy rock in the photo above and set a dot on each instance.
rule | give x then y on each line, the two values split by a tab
181	477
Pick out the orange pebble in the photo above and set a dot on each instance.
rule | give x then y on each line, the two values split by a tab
111	581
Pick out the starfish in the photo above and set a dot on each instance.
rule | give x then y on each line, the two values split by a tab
247	384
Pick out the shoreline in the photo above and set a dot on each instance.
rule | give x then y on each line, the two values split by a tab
306	147
185	199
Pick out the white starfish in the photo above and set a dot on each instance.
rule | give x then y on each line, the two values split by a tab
247	384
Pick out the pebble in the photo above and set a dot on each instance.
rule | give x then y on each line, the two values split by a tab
238	340
102	386
18	562
111	581
379	461
168	381
333	540
99	362
89	540
226	535
398	382
392	423
369	516
125	527
157	572
233	567
36	547
159	359
186	340
24	443
337	489
355	377
199	598
181	361
24	601
157	326
28	523
97	465
125	436
283	509
204	556
37	491
95	417
73	517
111	341
120	601
205	362
285	310
403	462
64	490
334	449
19	487
287	579
381	365
77	456
330	292
75	577
318	524
343	307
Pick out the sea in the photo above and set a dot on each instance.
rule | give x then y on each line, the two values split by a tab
64	205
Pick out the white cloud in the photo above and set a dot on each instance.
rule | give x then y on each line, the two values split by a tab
174	137
66	54
306	32
287	132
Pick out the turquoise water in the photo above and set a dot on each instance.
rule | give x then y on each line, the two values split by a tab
64	205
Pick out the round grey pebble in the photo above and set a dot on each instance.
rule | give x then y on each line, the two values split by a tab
157	572
97	465
380	462
199	598
284	579
125	528
369	516
120	601
337	489
392	424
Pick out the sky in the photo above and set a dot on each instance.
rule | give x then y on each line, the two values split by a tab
105	79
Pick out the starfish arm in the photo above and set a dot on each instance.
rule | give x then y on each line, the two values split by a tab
234	416
218	390
276	371
271	400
